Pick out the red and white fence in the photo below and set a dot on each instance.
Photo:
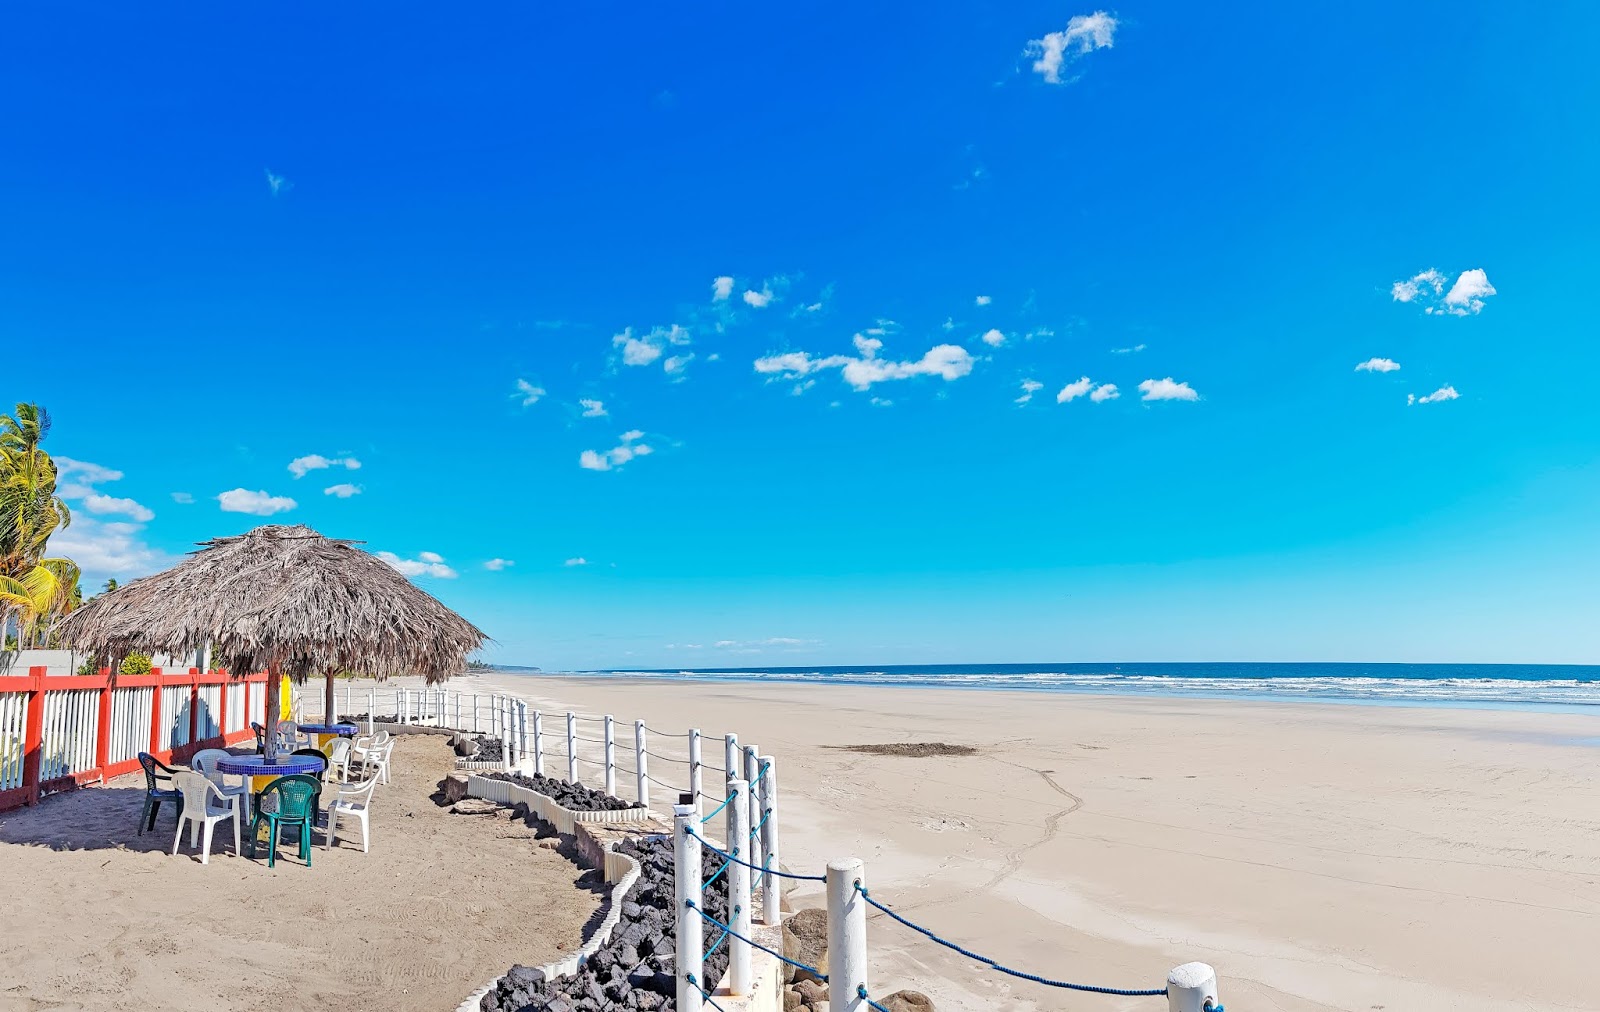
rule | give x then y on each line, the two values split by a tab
60	731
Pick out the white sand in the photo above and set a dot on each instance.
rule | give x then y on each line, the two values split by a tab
1320	856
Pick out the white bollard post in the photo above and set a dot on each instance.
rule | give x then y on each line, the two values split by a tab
696	774
505	728
348	709
399	706
731	762
771	885
474	713
538	743
611	755
522	732
752	773
687	882
1192	987
640	763
372	709
738	889
847	937
572	747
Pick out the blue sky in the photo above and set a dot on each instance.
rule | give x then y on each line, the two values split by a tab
750	335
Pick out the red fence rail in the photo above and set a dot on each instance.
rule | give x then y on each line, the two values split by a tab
59	732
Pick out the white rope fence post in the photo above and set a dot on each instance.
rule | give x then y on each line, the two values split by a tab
572	747
738	889
752	773
1192	987
522	732
474	713
611	755
505	729
847	937
695	772
372	709
771	890
640	763
538	743
348	709
686	882
730	759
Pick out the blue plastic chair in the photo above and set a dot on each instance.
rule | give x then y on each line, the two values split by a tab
155	772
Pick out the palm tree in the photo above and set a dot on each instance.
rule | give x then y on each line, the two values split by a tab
46	593
30	510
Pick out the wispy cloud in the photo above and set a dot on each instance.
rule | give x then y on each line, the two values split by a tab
1167	390
425	564
529	393
1083	34
1378	365
947	361
495	565
261	504
276	184
302	466
757	646
1029	388
646	349
102	548
1465	297
1128	351
576	560
85	472
182	498
1439	395
77	480
609	460
105	505
592	408
343	491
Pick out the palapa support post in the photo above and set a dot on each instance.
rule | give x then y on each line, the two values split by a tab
572	747
1192	987
771	891
696	770
847	937
329	715
538	743
752	773
642	764
687	893
611	755
738	824
269	747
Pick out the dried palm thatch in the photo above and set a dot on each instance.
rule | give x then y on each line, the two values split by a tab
284	599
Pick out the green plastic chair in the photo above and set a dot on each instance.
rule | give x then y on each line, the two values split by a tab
287	801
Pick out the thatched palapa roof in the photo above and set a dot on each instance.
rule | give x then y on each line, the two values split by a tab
285	597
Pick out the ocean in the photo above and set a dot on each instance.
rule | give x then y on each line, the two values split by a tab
1536	686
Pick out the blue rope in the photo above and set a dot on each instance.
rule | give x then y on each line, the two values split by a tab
762	774
763	822
1141	993
770	871
718	810
715	945
861	992
777	955
718	874
703	992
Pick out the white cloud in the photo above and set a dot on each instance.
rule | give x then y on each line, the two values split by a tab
982	300
301	466
1441	394
182	498
675	365
495	565
425	564
343	491
606	460
1465	297
1072	391
105	504
1105	392
1128	351
639	351
276	183
576	561
756	646
721	288
994	338
947	361
1029	387
1378	365
949	323
1469	291
758	300
529	393
259	504
104	549
592	408
1084	34
85	472
1167	390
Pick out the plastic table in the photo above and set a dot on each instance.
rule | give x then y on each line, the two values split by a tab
324	733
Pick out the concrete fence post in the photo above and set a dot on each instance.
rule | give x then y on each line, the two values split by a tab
847	937
538	743
1192	987
752	773
611	755
696	773
771	889
738	888
687	889
572	747
641	763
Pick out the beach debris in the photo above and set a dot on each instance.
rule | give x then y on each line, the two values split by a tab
910	749
805	940
474	806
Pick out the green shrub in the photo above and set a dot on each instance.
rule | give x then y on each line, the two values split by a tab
135	664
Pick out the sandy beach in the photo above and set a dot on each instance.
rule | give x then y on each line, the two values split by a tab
1319	856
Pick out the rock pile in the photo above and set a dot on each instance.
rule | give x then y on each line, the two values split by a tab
490	750
636	970
572	797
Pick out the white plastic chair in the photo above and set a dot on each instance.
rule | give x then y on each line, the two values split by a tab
203	806
204	762
290	738
339	752
352	802
375	763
